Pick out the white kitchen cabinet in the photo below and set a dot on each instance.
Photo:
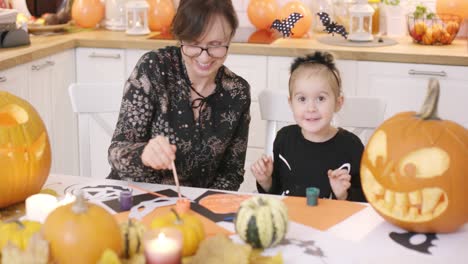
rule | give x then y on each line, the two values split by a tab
404	87
252	68
15	81
279	67
132	57
94	65
49	79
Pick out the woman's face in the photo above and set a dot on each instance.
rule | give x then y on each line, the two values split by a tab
216	37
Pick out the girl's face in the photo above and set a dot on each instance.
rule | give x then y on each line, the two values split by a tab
313	104
216	35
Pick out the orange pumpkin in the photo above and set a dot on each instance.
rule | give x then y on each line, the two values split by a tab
413	170
24	150
80	232
190	226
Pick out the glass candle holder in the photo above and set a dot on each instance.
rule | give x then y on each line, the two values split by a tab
163	246
360	27
126	199
312	194
137	18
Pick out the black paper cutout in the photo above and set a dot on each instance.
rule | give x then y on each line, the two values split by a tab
286	25
331	26
404	239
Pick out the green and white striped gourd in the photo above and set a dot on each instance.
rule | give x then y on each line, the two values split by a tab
262	221
132	234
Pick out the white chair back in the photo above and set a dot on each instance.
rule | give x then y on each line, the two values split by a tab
97	106
360	115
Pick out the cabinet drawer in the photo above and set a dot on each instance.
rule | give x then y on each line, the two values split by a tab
100	65
404	87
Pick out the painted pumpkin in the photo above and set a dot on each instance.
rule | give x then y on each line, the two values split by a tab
262	221
413	170
25	156
80	232
18	233
132	235
190	226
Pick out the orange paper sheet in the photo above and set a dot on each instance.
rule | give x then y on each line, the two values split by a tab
211	228
323	216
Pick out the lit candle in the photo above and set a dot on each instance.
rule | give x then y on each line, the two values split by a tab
38	206
164	246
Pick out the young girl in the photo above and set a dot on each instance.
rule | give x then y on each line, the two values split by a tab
310	153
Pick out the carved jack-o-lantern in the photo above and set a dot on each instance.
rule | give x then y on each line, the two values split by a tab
24	150
414	170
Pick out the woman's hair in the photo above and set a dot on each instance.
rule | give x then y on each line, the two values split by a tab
193	16
319	63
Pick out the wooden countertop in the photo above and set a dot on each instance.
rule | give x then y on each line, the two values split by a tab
405	51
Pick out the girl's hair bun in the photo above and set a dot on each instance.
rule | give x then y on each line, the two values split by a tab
320	57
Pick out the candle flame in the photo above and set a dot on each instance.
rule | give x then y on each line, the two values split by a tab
161	236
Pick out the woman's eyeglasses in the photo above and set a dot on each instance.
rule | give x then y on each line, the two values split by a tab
195	51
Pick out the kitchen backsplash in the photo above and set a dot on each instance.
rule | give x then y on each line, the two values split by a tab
409	5
241	7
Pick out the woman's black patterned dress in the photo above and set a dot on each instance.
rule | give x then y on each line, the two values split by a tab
156	101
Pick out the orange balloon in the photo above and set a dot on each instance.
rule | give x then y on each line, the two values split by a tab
160	14
262	13
261	36
87	13
453	7
302	26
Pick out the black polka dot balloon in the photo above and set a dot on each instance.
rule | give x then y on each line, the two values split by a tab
286	25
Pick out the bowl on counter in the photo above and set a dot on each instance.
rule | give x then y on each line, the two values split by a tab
439	30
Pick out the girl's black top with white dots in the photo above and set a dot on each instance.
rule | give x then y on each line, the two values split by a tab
210	149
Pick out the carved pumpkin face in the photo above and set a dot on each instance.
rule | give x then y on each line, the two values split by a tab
414	171
24	150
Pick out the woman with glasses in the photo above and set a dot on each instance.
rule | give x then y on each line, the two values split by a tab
182	107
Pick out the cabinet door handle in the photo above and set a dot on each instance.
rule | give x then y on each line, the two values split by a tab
430	73
3	79
42	66
105	56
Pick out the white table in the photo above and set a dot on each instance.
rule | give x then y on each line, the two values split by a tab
362	238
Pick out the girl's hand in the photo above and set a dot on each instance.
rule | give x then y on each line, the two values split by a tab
262	169
159	153
340	181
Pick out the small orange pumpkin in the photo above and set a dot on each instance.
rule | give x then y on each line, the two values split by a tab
25	156
80	232
413	170
190	226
